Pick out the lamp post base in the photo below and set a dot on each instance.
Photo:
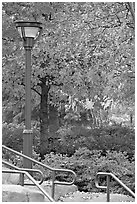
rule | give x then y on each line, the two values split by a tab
27	148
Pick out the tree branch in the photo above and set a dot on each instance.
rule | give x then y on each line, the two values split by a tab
32	88
131	9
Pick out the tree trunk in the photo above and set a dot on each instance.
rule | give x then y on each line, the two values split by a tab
44	119
131	119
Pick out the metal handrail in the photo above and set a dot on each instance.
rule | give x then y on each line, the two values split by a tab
32	179
54	170
24	169
108	184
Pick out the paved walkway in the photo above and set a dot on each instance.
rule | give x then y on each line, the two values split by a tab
95	197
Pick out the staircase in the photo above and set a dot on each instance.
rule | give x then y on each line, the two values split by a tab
26	181
13	192
20	186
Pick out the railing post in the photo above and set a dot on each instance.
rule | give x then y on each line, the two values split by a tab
108	184
53	185
22	179
108	188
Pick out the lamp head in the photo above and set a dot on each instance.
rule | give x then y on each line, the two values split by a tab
29	30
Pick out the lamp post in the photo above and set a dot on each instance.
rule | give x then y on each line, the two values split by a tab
29	32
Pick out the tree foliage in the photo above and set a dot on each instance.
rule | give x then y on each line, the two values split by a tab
86	51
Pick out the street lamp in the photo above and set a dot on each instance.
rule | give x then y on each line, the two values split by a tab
29	32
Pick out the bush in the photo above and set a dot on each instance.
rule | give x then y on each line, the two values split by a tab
12	136
69	139
105	138
86	163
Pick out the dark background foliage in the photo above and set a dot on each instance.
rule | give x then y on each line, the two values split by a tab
68	139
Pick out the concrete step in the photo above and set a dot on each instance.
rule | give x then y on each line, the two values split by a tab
32	193
11	190
17	193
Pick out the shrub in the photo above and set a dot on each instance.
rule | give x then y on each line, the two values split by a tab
105	138
86	163
69	139
12	136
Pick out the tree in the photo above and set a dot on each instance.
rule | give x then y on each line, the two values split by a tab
86	51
